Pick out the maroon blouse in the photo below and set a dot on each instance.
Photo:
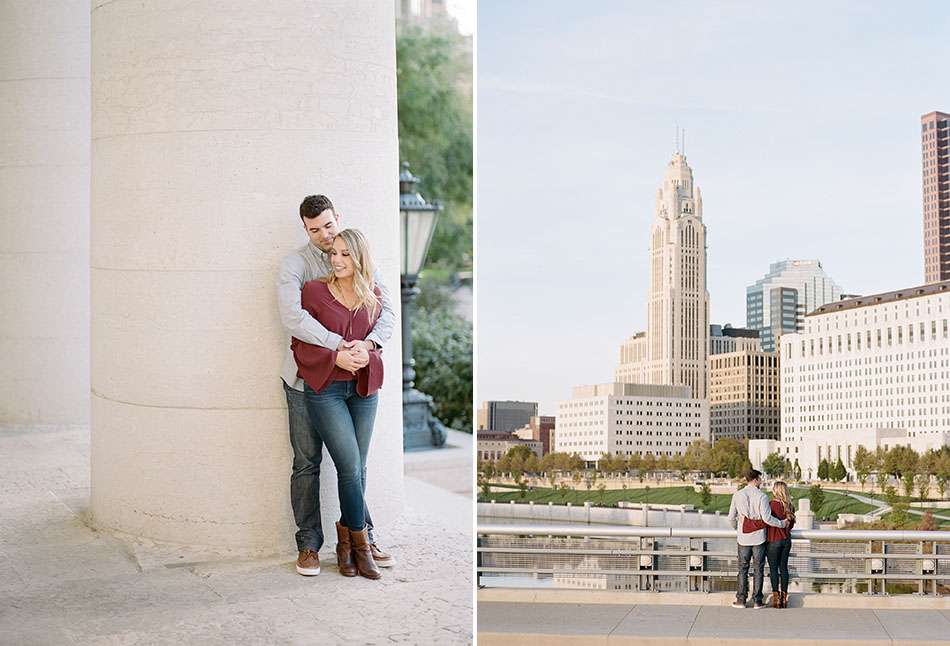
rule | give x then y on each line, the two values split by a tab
772	533
317	365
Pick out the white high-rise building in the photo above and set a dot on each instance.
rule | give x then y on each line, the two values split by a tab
871	371
677	336
630	419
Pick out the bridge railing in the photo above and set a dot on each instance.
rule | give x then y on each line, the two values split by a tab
696	559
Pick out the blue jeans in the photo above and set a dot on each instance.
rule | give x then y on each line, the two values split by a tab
305	477
746	553
344	421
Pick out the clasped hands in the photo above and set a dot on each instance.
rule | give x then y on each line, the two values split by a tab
353	355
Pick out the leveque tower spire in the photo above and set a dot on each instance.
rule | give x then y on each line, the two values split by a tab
678	307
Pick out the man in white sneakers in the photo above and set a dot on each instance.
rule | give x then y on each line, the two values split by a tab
749	513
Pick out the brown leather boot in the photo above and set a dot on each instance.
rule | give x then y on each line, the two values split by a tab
362	555
344	551
785	600
776	599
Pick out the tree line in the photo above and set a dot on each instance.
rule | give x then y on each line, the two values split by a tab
725	458
913	471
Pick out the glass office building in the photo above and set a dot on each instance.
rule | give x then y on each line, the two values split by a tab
777	303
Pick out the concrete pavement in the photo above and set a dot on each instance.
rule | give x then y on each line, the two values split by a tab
553	624
63	583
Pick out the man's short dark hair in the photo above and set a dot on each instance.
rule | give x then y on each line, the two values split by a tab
753	475
314	205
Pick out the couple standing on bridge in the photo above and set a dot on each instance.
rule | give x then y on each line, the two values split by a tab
764	529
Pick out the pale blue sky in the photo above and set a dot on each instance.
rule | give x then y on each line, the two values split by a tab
802	128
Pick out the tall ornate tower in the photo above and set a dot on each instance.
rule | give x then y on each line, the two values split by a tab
678	308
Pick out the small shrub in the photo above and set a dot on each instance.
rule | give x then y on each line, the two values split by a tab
442	349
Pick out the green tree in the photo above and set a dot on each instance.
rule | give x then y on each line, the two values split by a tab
635	464
863	464
520	451
838	472
797	471
705	494
890	495
516	462
522	483
602	487
576	478
823	469
433	77
730	457
923	485
907	480
943	473
678	464
532	464
773	465
817	498
697	456
648	463
484	483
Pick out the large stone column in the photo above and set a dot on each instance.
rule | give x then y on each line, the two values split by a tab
211	121
44	212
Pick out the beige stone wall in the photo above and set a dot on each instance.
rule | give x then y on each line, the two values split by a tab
211	121
44	212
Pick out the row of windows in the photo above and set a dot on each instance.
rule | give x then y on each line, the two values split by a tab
879	337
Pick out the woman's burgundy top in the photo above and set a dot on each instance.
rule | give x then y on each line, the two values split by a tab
772	533
779	533
317	365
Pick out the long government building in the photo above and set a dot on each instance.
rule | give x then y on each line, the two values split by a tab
871	371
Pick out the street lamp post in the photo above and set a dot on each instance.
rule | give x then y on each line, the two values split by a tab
417	220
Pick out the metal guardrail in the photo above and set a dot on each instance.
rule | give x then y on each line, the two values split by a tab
649	558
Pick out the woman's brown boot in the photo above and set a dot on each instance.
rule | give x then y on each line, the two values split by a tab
785	600
776	599
362	555
344	551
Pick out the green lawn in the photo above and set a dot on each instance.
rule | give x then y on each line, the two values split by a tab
835	503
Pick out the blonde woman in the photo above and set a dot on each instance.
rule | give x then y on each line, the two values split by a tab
341	399
780	544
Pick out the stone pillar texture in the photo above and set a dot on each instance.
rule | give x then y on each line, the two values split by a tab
44	212
210	122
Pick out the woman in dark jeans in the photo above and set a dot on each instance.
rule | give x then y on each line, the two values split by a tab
780	544
341	402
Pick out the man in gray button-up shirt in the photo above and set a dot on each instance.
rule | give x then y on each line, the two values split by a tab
310	263
752	503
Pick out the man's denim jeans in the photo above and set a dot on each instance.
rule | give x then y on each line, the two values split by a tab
748	553
344	421
305	478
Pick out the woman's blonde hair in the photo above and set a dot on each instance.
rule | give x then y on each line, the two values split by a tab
363	270
780	491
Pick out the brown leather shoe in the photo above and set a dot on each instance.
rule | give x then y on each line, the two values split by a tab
344	551
308	563
382	558
363	556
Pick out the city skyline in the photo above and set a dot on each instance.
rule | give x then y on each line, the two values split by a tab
802	138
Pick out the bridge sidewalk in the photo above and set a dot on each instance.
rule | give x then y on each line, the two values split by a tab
652	624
